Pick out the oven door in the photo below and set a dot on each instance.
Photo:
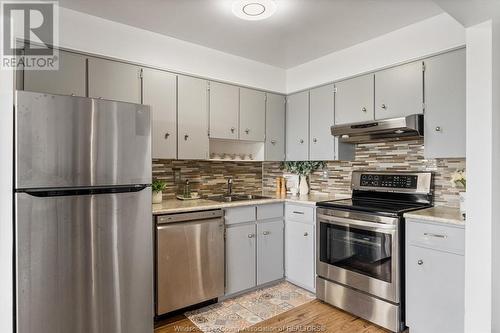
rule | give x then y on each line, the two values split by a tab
357	251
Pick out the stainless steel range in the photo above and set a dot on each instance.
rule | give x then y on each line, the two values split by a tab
360	259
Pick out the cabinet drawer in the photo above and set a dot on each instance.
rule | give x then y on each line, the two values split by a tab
299	213
271	211
240	214
438	237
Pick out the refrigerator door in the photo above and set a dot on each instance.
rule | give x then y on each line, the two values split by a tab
65	141
84	263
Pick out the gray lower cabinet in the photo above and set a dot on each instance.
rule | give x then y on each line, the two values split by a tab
354	100
224	110
321	118
114	80
69	79
445	105
435	277
241	242
270	255
297	127
160	93
275	128
399	91
252	115
254	246
192	118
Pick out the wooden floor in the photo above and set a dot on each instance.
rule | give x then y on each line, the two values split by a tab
315	316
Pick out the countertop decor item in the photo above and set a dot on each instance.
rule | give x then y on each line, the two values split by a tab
157	187
459	180
303	169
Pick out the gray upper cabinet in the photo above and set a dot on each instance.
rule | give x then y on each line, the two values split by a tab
297	127
445	105
252	115
192	118
275	128
160	92
399	91
114	80
321	141
69	79
354	100
224	110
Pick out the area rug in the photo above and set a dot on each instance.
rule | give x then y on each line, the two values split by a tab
235	314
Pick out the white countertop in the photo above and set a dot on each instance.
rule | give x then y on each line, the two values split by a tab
439	214
179	206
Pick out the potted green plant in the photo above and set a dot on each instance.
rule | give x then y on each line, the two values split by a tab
303	169
157	187
459	180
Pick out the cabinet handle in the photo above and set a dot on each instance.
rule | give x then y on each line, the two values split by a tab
363	109
233	129
301	141
247	131
384	106
265	233
297	212
167	135
306	234
420	262
186	137
315	140
438	129
434	235
251	235
273	142
72	94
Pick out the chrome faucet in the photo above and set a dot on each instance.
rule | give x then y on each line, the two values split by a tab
229	185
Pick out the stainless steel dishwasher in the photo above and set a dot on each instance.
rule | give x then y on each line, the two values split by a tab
189	259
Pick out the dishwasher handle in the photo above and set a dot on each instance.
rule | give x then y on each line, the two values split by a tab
191	216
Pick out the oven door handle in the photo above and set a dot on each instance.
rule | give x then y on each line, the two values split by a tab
349	222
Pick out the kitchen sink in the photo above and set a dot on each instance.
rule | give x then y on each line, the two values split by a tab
237	197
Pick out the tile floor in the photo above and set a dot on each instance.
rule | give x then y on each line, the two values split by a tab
235	314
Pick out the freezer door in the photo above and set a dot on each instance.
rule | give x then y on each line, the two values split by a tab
84	263
65	141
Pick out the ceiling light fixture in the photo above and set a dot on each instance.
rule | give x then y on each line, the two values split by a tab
254	10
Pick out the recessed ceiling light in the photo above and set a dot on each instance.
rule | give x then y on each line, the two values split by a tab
253	10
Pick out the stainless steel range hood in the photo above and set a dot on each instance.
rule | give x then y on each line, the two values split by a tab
404	128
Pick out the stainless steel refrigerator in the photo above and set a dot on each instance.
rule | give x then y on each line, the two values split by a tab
83	224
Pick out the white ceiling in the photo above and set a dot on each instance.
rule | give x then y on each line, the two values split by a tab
301	30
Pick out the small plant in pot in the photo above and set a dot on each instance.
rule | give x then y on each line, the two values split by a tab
459	180
303	169
157	187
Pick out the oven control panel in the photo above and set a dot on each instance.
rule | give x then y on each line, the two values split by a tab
389	181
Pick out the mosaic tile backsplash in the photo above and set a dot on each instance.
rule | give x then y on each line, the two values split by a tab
210	178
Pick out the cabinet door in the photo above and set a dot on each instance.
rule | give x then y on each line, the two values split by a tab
354	100
321	140
192	118
299	254
399	91
252	115
69	79
445	105
240	258
434	291
224	109
269	251
114	80
275	128
160	93
297	127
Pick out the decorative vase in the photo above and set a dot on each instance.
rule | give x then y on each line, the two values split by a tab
463	196
303	187
157	197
